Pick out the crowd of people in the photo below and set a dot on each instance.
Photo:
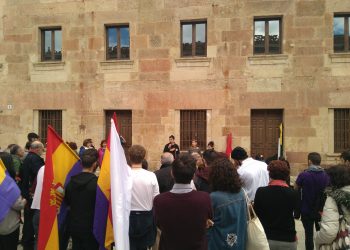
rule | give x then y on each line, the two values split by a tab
196	200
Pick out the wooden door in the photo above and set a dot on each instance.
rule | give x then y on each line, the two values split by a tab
124	124
265	131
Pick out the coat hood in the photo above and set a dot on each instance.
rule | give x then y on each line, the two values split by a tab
341	196
80	181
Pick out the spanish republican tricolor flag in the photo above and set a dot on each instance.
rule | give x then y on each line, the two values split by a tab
9	191
61	164
113	196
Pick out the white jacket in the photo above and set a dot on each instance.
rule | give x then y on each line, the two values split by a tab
330	221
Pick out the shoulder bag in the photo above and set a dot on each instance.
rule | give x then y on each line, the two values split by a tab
256	239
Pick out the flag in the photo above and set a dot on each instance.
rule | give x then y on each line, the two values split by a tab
103	225
103	220
229	145
103	229
61	164
9	191
280	141
121	186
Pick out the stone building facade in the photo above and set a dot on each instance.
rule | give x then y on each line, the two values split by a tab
303	85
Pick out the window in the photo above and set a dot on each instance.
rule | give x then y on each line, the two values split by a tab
51	44
193	125
124	124
341	33
194	38
117	42
267	36
49	117
341	130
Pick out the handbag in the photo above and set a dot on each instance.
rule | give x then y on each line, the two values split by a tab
256	237
342	241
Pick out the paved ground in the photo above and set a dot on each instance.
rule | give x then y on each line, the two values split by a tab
300	234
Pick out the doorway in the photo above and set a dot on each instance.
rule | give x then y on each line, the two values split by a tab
265	132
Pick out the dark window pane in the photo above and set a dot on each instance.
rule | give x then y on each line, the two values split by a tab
187	39
348	21
259	37
47	44
338	31
125	42
112	43
201	47
193	125
58	44
274	36
49	117
341	130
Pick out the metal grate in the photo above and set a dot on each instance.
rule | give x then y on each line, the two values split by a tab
49	117
193	125
341	130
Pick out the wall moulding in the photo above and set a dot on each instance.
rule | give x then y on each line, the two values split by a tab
340	57
48	66
192	62
268	59
117	65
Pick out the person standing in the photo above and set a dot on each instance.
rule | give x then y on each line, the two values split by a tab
31	165
183	214
230	207
253	173
10	224
101	151
172	147
164	178
277	217
80	196
337	205
87	143
194	147
345	157
142	230
311	184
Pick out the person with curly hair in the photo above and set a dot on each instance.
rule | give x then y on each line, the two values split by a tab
275	205
337	205
229	206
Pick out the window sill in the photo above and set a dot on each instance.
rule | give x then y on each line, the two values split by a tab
333	154
193	62
268	59
117	64
340	57
48	66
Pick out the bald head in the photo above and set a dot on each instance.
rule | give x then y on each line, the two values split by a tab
37	147
166	158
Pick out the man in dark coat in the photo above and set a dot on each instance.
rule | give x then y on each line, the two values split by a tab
165	180
31	165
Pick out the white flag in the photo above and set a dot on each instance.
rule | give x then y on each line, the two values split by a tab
121	185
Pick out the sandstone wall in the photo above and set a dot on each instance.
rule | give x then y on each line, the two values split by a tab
307	80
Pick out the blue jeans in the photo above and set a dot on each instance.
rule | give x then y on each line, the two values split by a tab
36	219
308	223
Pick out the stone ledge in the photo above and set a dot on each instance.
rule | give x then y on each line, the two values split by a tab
340	57
192	62
333	154
48	66
117	64
268	59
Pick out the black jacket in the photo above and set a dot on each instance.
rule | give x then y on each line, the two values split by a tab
165	181
274	205
80	196
31	165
